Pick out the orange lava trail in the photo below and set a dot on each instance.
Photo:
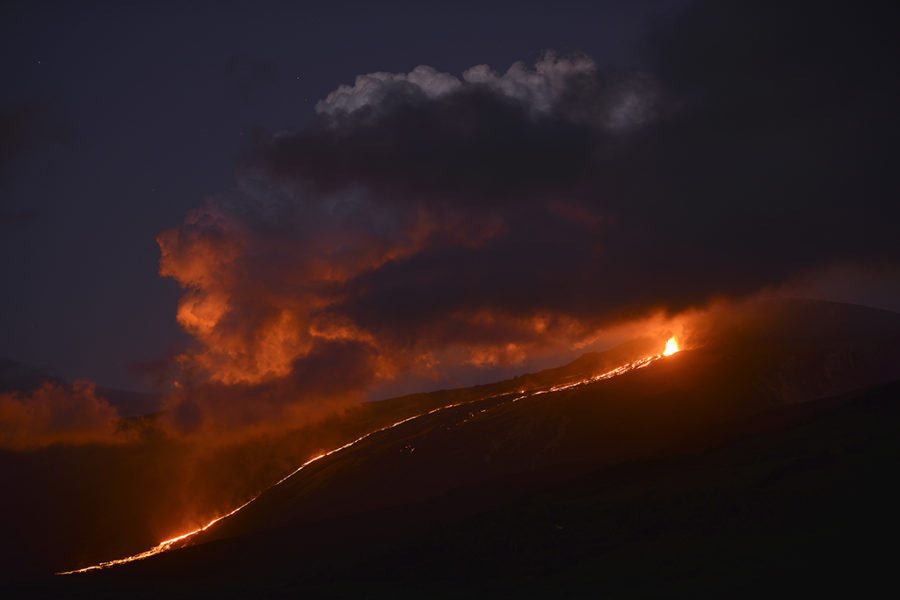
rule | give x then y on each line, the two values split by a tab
175	542
179	541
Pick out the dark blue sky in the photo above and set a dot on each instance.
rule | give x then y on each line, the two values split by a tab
120	117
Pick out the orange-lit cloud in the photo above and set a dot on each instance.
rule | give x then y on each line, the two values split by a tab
425	222
58	414
423	225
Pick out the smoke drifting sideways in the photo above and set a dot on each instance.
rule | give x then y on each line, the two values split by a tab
426	221
57	413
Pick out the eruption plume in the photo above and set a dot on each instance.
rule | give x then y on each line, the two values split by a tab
426	223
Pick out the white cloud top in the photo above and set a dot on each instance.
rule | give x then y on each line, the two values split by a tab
540	87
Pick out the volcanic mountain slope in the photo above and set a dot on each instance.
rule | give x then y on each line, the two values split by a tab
686	401
645	444
804	507
123	499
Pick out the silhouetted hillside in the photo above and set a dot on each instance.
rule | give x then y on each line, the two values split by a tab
804	508
565	483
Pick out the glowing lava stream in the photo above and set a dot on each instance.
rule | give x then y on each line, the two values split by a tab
176	542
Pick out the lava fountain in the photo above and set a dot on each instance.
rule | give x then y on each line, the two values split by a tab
671	347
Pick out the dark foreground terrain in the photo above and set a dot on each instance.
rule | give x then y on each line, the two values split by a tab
761	463
810	506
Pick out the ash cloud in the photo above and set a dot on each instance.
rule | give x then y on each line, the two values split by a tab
426	220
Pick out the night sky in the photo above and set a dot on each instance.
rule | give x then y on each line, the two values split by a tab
665	155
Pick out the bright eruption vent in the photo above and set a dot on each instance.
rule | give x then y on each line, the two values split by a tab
185	539
671	347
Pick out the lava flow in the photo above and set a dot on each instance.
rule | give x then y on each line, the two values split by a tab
182	540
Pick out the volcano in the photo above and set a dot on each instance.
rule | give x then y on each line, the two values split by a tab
761	454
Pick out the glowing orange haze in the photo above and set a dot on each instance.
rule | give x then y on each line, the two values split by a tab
257	320
185	538
58	414
284	328
250	329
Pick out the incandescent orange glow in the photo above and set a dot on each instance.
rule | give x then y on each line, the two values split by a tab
186	538
671	347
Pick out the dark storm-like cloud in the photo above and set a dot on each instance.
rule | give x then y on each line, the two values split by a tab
485	139
425	219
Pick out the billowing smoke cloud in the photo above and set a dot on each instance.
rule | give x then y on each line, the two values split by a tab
540	90
426	220
58	414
